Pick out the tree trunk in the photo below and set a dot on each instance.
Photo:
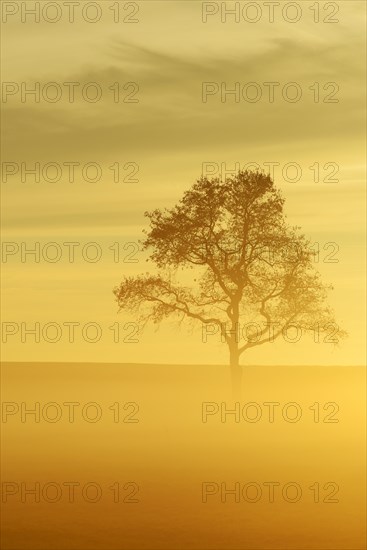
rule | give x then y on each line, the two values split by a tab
234	356
236	373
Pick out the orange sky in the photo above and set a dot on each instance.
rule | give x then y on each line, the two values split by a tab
168	135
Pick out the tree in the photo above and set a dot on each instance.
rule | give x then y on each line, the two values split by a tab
254	269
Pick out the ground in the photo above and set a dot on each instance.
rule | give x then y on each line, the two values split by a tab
160	435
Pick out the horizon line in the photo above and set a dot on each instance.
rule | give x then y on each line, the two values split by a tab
172	365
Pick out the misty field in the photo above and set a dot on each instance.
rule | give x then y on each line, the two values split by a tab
160	457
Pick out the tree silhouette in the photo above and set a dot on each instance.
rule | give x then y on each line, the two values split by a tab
253	269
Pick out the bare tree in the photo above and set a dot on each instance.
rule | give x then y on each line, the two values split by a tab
252	267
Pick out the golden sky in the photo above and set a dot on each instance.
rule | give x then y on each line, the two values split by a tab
169	133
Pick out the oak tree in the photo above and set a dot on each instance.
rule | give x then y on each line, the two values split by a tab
251	267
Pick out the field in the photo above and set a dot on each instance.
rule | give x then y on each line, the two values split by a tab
149	457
